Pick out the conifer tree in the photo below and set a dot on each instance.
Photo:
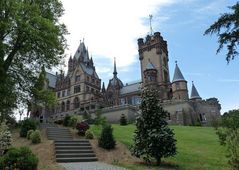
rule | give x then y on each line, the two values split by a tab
123	120
153	138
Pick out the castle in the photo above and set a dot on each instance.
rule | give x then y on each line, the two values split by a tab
80	90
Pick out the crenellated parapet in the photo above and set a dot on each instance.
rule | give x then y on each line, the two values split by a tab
151	42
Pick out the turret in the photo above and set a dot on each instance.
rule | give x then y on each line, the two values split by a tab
194	93
150	75
179	85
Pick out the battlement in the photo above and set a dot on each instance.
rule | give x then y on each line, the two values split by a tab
153	41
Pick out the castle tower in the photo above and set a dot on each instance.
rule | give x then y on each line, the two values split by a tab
154	49
179	85
113	89
194	93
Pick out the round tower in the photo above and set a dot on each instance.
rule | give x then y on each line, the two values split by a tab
194	93
179	85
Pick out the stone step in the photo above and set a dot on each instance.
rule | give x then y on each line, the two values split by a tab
58	138
73	155
73	141
58	131
65	151
77	159
59	134
72	147
72	144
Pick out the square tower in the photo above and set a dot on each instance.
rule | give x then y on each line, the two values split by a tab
153	51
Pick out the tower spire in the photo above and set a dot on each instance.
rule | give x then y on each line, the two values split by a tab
115	72
150	24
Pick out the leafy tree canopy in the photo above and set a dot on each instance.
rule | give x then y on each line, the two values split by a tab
227	30
31	36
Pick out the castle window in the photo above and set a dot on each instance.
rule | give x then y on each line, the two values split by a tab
88	78
76	103
92	90
63	106
68	92
63	93
77	89
77	78
92	107
151	78
68	105
59	94
87	88
93	80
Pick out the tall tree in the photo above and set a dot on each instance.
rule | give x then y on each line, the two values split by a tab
227	30
31	36
153	138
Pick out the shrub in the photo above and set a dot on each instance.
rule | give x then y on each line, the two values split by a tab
82	127
106	139
59	122
36	137
29	134
233	148
22	158
66	120
27	125
123	120
5	137
72	121
89	135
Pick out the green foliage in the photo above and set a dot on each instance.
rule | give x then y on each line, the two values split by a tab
27	125
89	134
153	138
31	36
106	139
100	120
233	148
5	137
73	120
22	157
231	119
66	120
227	30
123	120
36	137
29	134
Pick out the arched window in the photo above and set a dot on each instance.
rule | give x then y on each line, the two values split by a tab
63	106
76	103
68	105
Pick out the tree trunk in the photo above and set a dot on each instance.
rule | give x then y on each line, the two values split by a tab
158	161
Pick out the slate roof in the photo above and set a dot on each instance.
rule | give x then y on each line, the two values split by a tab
51	79
178	76
82	52
194	93
136	87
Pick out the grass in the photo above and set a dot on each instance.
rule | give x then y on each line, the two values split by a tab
197	148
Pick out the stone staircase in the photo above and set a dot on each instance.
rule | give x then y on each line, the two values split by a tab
69	150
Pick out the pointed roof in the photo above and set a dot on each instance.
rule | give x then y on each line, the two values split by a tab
194	93
82	52
103	87
178	76
115	71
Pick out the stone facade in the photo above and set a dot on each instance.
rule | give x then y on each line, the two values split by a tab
79	90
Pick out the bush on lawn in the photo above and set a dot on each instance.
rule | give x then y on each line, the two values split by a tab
123	120
89	135
19	158
82	127
29	134
66	120
36	137
27	125
106	139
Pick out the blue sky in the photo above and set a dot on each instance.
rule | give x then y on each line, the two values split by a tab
111	29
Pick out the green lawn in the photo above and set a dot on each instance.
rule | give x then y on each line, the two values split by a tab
197	147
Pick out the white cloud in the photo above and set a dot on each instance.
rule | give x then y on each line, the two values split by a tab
110	28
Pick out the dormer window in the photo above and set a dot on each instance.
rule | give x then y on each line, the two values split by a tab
77	78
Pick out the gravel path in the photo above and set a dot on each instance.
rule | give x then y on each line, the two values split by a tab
90	166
